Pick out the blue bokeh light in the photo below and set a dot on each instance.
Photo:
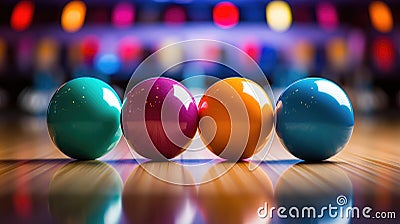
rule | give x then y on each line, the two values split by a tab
108	64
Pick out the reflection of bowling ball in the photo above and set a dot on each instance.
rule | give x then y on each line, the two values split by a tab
148	199
85	192
235	196
317	186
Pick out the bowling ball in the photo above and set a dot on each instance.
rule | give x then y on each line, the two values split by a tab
236	118
314	119
159	118
83	118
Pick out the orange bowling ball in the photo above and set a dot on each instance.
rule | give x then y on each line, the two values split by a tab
236	118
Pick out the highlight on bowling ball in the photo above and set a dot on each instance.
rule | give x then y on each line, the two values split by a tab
83	118
159	118
236	118
314	119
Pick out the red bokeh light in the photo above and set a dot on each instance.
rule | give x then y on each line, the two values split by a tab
22	15
175	15
129	49
253	50
383	53
89	48
225	15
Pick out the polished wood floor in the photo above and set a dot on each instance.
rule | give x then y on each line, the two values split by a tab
38	184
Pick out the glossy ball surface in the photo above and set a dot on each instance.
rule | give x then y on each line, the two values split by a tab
83	118
159	118
236	118
314	119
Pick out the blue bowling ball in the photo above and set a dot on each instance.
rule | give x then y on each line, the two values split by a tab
314	119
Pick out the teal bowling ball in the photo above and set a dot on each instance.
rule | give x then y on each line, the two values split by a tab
314	119
83	118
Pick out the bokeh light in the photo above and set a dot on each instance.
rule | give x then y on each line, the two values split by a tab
212	51
253	49
89	48
269	58
303	54
337	52
174	15
107	64
25	50
3	54
381	16
357	43
74	54
327	16
129	49
123	15
226	15
22	15
47	53
73	16
383	53
279	16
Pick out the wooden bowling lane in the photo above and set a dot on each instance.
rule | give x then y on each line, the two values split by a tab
234	196
372	157
85	192
22	195
313	185
39	184
27	138
150	194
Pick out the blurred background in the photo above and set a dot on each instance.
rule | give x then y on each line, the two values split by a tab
355	43
44	43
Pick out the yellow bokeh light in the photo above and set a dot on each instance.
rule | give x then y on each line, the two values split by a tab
73	16
381	16
279	16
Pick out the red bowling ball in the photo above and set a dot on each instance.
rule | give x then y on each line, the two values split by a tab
159	118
